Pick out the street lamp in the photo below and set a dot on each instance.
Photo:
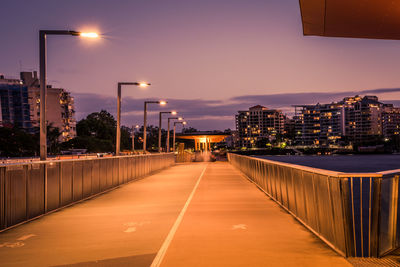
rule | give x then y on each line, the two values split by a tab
169	119
160	102
175	123
43	88
133	137
118	142
159	126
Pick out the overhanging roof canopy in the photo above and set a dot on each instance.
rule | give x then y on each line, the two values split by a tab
213	137
376	19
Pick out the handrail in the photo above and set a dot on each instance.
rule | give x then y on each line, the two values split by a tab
354	213
29	190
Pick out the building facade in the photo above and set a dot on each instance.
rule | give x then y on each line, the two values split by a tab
390	121
14	106
20	105
258	123
320	124
60	110
355	119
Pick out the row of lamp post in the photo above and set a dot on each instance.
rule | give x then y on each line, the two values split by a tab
43	95
159	130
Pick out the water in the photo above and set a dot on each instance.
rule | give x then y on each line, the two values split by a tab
343	163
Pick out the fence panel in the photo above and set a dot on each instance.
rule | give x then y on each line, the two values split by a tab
35	192
15	194
2	198
87	178
96	176
77	182
67	182
53	186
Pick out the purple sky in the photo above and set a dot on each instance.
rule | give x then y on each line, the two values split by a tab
208	58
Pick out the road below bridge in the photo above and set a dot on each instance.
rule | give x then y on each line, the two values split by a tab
199	214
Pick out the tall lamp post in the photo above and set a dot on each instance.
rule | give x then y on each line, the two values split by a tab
162	103
175	123
159	126
169	119
133	137
118	142
43	88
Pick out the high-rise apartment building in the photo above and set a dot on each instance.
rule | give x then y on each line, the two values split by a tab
60	111
360	119
319	124
258	123
14	106
390	120
20	105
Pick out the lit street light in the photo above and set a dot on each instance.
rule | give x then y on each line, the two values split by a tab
162	103
43	88
133	137
159	126
169	119
175	123
118	143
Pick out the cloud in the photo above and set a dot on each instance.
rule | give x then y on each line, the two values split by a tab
206	114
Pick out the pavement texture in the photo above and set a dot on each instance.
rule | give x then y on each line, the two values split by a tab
200	214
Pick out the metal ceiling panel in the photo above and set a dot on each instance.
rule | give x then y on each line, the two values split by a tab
376	19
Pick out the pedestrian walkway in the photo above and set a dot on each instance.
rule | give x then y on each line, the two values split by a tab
199	214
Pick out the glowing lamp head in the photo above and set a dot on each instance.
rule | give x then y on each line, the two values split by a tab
174	112
180	118
162	103
137	126
143	84
89	34
184	123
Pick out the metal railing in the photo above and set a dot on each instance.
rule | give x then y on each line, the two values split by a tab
357	214
29	190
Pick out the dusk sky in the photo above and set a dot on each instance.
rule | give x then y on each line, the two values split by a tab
208	58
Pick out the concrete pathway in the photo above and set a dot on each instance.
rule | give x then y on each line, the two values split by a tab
189	215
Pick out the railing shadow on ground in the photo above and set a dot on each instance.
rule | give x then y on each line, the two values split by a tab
32	189
354	213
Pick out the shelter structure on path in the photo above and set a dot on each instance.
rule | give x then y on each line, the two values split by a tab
203	140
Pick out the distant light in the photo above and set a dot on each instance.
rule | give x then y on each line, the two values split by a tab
184	123
89	34
137	126
174	112
180	118
143	84
162	103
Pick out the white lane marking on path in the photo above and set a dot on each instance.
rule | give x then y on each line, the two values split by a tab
12	245
130	230
239	226
132	226
136	223
25	237
161	253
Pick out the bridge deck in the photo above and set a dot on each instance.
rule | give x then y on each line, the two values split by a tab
189	215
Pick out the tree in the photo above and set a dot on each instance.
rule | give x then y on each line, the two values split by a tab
189	130
15	142
53	133
100	125
97	133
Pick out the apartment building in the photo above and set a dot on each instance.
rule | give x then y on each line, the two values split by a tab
390	120
359	119
320	124
14	106
258	123
60	111
20	105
